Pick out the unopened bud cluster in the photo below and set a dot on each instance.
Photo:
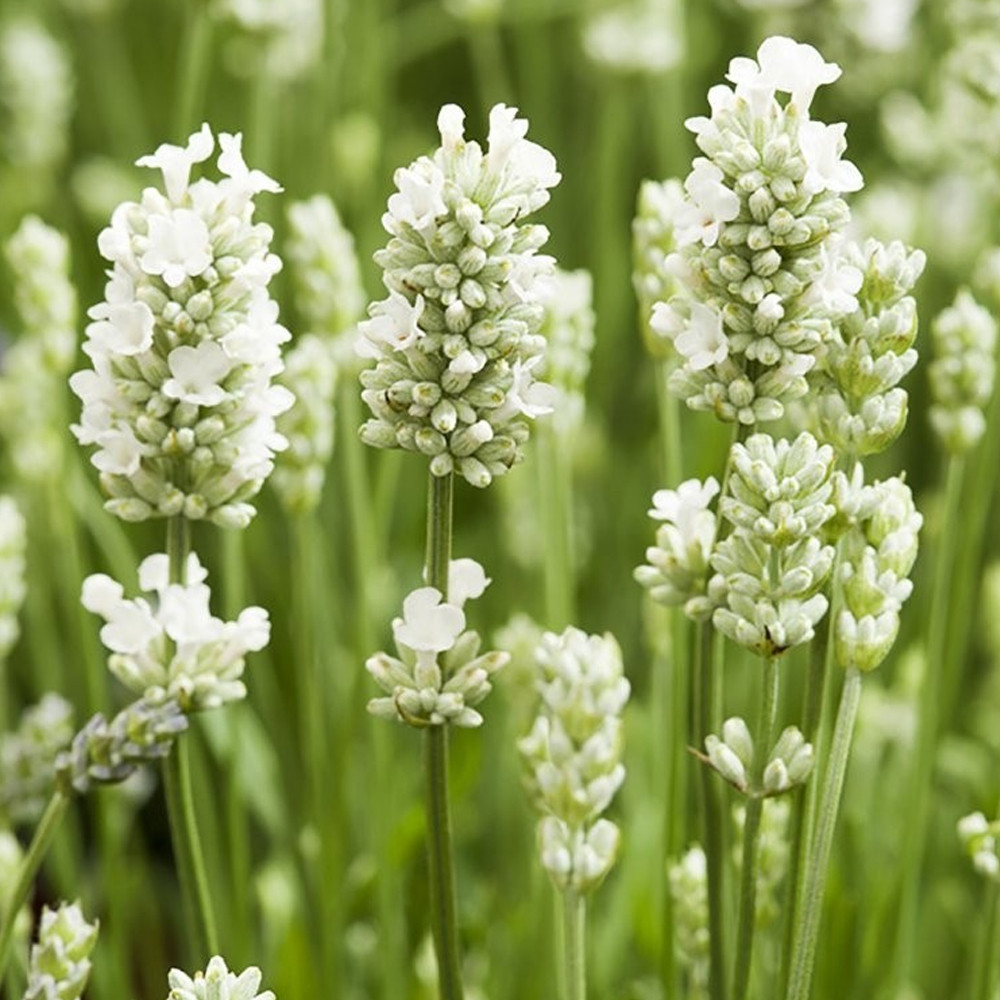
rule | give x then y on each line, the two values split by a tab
979	838
574	754
35	365
879	554
311	376
456	342
439	675
678	565
761	285
180	402
962	372
861	407
789	764
217	983
27	758
105	752
59	966
13	545
323	265
770	569
568	329
174	648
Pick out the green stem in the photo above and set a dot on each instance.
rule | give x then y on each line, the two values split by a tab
815	728
703	677
807	927
440	855
928	717
177	787
763	741
574	942
984	983
30	864
556	496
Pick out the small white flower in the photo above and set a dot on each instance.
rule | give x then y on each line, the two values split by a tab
394	322
786	65
176	161
711	203
232	164
702	342
466	580
427	624
196	373
418	202
122	328
528	396
822	146
683	507
179	247
451	126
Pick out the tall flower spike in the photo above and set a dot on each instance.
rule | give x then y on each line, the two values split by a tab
456	342
60	960
311	376
573	754
36	95
325	274
688	880
760	209
861	408
440	675
174	647
962	372
568	329
652	242
879	555
35	365
179	401
770	569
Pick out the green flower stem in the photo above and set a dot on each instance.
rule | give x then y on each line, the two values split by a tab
440	856
325	802
763	741
815	728
987	967
30	864
928	722
807	925
574	945
364	558
488	64
704	674
193	68
177	787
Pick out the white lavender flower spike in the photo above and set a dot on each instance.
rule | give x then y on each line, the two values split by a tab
180	402
573	753
456	341
217	983
60	960
760	209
